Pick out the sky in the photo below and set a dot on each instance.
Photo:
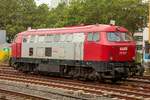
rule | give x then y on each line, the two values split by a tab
145	0
54	3
43	1
51	3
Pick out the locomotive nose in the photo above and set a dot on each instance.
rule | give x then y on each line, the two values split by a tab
122	53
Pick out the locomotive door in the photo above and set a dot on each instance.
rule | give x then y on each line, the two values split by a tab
13	46
77	51
92	46
16	47
78	41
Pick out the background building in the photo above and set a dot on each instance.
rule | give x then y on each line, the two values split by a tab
138	37
2	36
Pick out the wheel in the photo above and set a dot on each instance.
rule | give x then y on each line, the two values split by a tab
113	80
101	77
141	70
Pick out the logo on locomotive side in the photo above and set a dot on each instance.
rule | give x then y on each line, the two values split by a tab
123	48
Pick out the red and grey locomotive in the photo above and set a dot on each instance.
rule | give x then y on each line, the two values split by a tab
89	52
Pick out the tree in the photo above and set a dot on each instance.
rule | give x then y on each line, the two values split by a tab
18	15
131	14
40	18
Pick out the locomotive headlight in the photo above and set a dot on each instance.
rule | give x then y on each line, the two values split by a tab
133	58
111	58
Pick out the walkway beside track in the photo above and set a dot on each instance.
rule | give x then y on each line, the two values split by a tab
46	92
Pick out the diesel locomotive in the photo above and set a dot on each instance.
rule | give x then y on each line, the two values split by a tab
95	52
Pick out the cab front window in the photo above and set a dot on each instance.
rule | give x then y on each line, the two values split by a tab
118	36
93	36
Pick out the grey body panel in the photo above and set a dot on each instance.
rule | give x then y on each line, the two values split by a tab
72	50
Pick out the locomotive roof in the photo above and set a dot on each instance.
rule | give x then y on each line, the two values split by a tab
77	29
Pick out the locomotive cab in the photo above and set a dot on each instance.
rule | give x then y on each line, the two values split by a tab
121	45
111	52
121	53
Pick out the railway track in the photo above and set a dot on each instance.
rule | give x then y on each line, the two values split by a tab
146	77
126	90
11	95
139	80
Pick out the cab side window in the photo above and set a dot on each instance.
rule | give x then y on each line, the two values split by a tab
93	36
90	37
96	36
